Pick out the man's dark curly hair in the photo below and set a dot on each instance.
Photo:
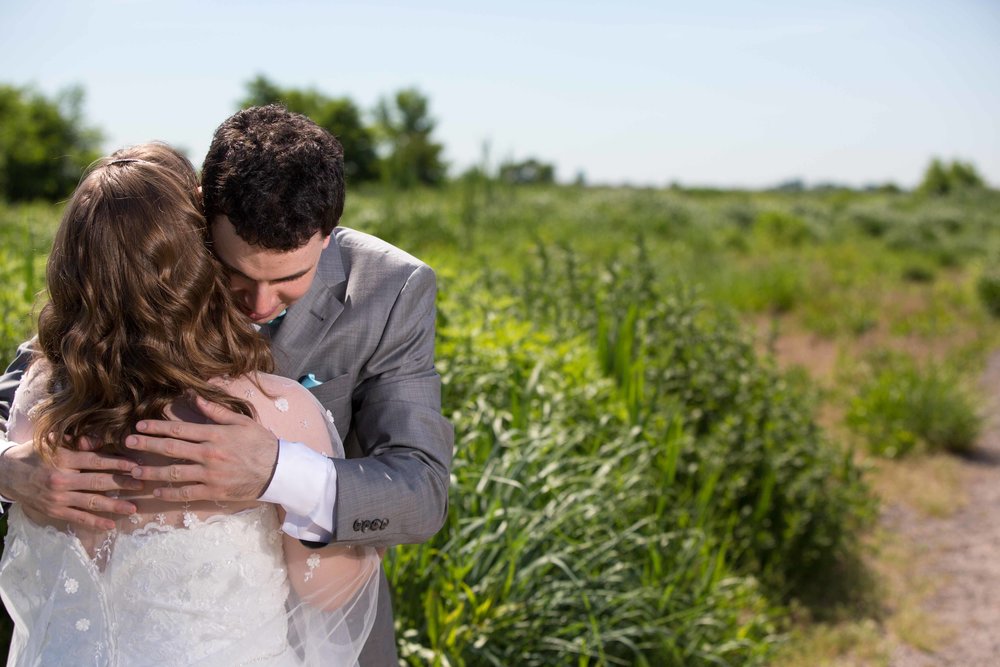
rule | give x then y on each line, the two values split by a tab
277	175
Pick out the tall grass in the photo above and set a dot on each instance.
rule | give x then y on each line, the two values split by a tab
25	236
634	485
569	540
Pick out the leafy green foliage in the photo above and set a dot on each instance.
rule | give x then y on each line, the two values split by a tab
918	272
44	144
988	288
25	235
527	171
412	156
944	179
745	419
340	116
901	407
782	228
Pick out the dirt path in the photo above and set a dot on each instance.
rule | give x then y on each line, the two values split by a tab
962	556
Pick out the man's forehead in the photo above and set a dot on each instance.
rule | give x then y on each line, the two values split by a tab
259	263
265	238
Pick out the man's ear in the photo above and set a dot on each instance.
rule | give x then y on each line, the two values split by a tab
326	241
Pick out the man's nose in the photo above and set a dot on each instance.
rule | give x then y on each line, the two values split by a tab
260	299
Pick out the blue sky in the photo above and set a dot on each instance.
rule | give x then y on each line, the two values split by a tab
714	93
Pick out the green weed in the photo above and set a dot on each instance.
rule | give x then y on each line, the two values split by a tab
988	289
901	407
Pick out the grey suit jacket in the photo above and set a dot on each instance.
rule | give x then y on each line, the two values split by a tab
365	331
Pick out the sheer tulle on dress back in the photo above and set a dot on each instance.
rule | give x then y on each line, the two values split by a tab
198	584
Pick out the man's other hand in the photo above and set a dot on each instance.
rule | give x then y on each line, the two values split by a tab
73	489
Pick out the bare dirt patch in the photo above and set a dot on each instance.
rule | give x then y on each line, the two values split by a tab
960	557
795	347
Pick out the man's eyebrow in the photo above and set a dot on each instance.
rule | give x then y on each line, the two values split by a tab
288	279
283	279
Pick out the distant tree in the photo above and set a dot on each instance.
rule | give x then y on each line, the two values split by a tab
340	116
942	179
792	185
887	188
936	180
44	144
829	186
411	156
527	171
964	175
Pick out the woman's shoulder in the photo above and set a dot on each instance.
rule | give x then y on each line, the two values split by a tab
34	385
267	392
38	371
289	410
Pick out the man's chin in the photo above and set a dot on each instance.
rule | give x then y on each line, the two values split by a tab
265	319
256	319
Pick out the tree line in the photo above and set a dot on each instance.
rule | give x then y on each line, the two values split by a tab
45	143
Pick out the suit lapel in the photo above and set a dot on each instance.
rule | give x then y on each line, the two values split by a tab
309	319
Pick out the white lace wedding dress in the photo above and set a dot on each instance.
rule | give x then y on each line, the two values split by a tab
202	584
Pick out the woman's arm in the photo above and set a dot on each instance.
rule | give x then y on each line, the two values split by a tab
334	576
72	487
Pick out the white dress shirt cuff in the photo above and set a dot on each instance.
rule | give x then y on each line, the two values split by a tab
305	485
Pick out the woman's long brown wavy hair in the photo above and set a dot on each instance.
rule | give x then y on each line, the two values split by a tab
139	313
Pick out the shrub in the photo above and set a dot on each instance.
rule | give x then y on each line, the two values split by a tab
783	228
901	408
941	179
742	213
772	287
790	500
988	288
918	272
874	221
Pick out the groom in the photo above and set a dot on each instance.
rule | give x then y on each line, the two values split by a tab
348	315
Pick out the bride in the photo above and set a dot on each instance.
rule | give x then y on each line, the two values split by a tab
140	325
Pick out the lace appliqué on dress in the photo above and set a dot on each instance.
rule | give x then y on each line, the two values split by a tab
166	595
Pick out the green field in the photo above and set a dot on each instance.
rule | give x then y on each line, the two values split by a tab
663	402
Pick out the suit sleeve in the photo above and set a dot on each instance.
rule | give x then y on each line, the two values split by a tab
12	378
397	492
